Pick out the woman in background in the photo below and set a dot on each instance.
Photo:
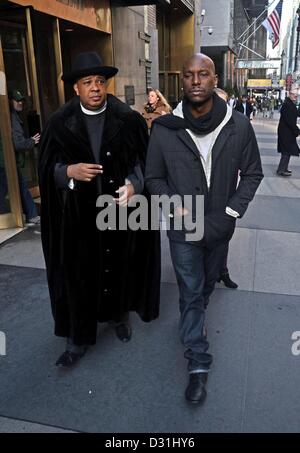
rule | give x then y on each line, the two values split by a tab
156	106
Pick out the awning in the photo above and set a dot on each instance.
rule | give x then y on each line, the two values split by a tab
139	2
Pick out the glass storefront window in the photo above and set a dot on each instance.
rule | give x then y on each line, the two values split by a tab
15	59
46	64
17	75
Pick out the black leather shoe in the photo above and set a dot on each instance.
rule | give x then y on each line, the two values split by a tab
68	359
195	392
227	281
284	173
123	332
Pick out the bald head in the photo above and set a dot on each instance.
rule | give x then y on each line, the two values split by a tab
200	59
199	79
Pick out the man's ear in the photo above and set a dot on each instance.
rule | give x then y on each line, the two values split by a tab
216	80
75	86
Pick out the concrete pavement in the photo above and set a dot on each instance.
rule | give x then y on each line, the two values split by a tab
139	386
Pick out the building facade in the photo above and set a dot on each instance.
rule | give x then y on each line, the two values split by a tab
257	12
290	55
148	40
218	38
38	40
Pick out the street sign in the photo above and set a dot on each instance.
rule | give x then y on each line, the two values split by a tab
263	84
258	64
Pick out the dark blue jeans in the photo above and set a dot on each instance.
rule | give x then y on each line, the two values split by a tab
197	270
28	205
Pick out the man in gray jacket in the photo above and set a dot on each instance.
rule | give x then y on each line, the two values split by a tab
198	151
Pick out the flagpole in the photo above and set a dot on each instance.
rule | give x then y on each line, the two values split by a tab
253	33
258	17
253	51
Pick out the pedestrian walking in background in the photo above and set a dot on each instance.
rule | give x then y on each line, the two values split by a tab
232	100
156	106
254	106
224	272
198	151
265	107
259	105
272	106
244	106
21	145
94	145
288	132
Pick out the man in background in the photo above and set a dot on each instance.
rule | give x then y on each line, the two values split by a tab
21	145
244	106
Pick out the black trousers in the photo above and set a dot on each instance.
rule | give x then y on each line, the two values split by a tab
284	162
224	268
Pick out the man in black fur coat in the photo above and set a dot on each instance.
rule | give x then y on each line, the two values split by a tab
94	145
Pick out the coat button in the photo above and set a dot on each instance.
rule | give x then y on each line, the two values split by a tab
106	270
111	181
197	188
105	290
107	250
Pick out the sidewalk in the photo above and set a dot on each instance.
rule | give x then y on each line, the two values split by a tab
139	386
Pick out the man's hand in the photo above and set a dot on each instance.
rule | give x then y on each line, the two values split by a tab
36	138
84	172
127	192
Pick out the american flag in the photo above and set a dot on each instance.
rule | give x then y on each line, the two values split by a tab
272	23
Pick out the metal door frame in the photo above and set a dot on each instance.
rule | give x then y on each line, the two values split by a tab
15	217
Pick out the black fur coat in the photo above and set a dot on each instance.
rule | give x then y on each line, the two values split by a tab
92	275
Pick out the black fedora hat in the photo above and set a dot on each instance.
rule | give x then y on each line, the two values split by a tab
86	64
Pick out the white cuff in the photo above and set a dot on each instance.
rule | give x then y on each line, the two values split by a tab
231	212
71	184
127	181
